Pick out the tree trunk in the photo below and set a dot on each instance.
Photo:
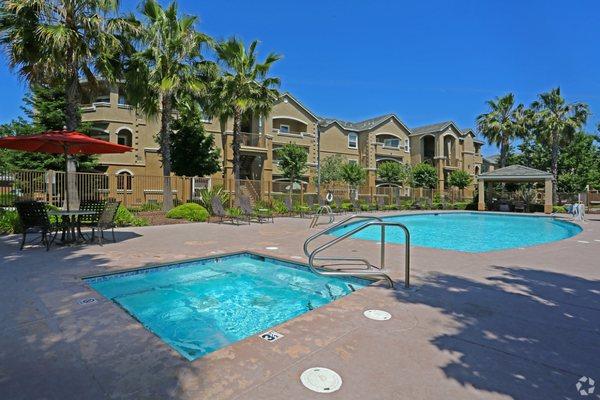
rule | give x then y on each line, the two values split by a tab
165	150
237	129
554	167
71	124
503	151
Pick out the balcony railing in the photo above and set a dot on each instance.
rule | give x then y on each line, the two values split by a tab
451	162
252	139
294	133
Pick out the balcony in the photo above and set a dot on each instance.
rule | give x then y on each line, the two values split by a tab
451	162
252	140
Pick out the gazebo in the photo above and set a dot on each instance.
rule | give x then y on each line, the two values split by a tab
516	174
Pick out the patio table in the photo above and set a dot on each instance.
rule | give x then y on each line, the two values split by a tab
70	224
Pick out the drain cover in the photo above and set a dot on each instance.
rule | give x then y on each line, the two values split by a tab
321	380
377	315
89	300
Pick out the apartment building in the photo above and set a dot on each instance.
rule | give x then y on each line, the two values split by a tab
368	143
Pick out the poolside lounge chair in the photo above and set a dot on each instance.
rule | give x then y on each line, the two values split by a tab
519	206
380	203
289	205
106	221
249	213
34	218
219	211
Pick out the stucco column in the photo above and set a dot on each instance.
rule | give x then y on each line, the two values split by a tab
481	201
548	196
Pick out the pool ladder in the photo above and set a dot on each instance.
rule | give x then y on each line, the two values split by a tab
356	266
323	210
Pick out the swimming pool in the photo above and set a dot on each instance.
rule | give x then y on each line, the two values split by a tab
471	232
199	306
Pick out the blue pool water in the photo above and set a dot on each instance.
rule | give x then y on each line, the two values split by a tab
200	306
471	232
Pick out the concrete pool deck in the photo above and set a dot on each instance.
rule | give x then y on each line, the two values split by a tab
522	323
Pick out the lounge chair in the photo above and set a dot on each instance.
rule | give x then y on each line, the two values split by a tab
249	213
34	218
381	203
219	211
519	206
106	221
289	205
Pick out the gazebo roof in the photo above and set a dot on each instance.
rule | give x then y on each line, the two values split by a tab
515	173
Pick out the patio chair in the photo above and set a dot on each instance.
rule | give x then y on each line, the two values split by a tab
249	213
339	208
106	220
34	218
90	220
219	211
519	206
289	205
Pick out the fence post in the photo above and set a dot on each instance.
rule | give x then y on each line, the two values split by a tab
49	183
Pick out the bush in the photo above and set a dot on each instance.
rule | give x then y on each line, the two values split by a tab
460	206
126	218
279	207
559	209
9	222
190	211
206	196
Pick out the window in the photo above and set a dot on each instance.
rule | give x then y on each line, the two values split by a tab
205	117
284	128
407	145
124	180
352	161
353	140
124	137
393	143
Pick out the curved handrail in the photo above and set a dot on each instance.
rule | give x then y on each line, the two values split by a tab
314	222
326	231
383	224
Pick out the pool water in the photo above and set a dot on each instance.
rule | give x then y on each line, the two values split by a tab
200	306
471	232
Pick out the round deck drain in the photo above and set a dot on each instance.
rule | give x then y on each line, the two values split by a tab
377	315
321	380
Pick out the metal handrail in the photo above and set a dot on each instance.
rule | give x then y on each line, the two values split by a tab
331	228
315	219
382	272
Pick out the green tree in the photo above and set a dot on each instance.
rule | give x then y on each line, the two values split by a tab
292	162
167	67
193	151
556	122
503	123
45	110
392	172
354	175
425	176
331	169
243	87
460	179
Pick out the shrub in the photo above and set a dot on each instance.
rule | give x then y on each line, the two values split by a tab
234	212
190	211
559	209
126	218
206	197
279	207
9	222
460	205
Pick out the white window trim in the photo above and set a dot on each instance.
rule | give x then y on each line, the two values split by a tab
407	145
353	134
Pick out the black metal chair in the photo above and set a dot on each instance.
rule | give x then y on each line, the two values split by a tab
97	206
34	218
106	220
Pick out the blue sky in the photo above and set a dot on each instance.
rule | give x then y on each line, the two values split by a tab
426	61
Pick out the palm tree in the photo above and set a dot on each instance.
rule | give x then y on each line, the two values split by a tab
57	42
167	69
244	86
556	122
502	124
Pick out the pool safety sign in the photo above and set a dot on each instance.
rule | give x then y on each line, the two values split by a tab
271	336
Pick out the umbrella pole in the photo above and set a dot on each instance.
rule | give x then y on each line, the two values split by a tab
67	179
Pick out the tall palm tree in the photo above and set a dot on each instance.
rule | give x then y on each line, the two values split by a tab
57	42
244	86
556	122
502	124
166	69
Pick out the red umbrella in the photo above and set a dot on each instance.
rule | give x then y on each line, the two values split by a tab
65	142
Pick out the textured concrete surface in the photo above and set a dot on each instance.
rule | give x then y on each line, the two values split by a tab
522	324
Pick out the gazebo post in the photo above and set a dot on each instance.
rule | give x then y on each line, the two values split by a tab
481	194
548	196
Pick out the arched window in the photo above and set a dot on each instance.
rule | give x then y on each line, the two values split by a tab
353	140
477	170
124	180
124	137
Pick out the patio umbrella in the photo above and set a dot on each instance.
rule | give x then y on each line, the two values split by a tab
62	142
